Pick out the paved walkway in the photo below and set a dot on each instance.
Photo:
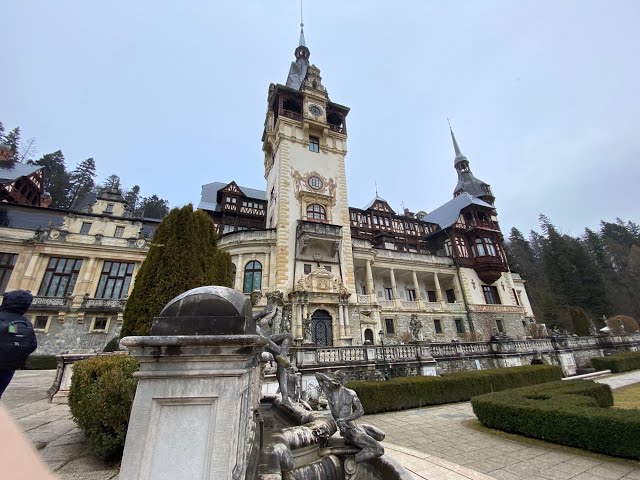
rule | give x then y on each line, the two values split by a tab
452	433
437	443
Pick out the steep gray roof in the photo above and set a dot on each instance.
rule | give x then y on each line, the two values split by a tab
209	195
468	183
10	171
448	214
376	199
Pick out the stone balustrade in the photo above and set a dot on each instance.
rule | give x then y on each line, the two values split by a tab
417	305
51	303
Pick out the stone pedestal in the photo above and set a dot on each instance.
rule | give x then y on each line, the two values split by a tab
194	411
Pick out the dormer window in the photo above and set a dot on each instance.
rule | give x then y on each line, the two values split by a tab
109	208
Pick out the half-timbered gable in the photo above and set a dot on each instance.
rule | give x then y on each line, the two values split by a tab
234	208
21	183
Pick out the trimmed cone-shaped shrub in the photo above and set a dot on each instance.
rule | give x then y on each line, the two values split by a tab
100	399
183	255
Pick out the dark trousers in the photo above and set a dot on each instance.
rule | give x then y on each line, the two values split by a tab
5	379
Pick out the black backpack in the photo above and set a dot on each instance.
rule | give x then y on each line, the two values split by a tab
17	341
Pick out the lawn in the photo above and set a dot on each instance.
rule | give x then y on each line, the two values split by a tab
627	397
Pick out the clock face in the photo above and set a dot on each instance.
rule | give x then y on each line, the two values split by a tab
315	183
315	110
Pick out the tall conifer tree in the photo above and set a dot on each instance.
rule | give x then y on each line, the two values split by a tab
183	255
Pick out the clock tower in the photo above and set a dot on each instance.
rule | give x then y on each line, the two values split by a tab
305	144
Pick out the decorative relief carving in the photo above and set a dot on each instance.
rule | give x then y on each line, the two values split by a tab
309	183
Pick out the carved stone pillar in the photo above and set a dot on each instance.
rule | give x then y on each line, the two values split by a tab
239	274
438	290
370	288
298	321
457	289
416	285
343	331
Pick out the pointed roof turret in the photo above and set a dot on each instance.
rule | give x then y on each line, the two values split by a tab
298	69
467	182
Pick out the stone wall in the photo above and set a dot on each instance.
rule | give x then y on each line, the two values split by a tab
68	335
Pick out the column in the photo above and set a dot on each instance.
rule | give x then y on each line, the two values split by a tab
341	320
297	331
394	287
27	282
438	290
265	273
416	286
239	274
457	289
347	329
370	288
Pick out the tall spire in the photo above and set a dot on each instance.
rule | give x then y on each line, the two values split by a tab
298	69
459	156
301	43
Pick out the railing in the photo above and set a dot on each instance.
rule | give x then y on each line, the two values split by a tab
104	303
244	235
486	224
409	305
290	114
496	308
324	229
386	303
51	302
441	351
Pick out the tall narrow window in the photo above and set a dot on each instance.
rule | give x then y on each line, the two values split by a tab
60	277
491	294
431	294
480	248
388	322
451	296
411	295
316	212
459	325
491	249
516	295
388	293
499	325
7	262
437	325
86	228
115	279
314	144
252	277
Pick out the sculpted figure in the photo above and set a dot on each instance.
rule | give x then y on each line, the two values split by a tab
306	330
277	345
346	408
415	326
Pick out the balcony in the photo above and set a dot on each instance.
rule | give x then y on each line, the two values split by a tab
103	304
479	224
314	235
51	303
411	306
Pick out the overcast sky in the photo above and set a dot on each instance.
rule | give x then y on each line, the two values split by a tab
544	96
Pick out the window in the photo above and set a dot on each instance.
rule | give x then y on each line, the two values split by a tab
99	324
119	232
437	324
316	212
451	296
307	268
41	323
499	325
480	248
431	294
86	227
233	275
109	208
60	277
327	268
252	277
388	293
7	262
516	295
368	336
459	325
388	323
115	279
491	249
411	294
315	182
314	144
491	294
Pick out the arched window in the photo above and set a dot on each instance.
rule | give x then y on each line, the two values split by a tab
316	212
252	277
368	336
233	275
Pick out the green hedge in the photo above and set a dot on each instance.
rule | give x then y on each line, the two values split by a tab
41	362
414	392
572	413
100	398
622	362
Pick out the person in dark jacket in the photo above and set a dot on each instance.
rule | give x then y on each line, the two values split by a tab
17	338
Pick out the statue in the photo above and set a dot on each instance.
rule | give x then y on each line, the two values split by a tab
277	345
346	408
285	322
415	326
306	330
